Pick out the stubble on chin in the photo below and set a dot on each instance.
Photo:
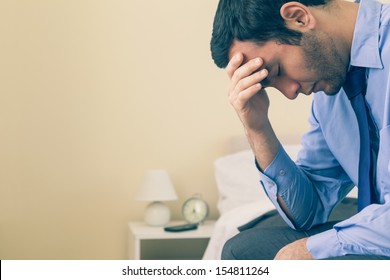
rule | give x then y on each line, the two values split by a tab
322	57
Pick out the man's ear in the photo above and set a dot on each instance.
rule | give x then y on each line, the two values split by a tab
297	16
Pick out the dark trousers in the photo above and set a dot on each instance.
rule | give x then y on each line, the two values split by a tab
262	238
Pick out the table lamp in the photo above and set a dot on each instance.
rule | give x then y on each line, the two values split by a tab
156	187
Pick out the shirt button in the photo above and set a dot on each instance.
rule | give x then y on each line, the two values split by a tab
282	172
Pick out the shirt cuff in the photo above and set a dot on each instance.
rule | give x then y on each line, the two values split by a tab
274	175
282	170
324	245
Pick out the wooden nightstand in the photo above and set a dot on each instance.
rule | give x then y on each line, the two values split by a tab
153	243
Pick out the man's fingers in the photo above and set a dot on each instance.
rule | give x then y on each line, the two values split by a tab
247	69
248	84
240	100
251	80
233	64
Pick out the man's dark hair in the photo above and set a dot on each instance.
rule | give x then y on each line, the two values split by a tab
251	20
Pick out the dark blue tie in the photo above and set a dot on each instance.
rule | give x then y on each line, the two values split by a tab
355	88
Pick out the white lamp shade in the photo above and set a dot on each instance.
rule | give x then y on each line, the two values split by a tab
157	186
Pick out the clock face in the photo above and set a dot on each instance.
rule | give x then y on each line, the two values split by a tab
195	210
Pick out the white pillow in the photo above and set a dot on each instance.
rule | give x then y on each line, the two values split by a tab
237	179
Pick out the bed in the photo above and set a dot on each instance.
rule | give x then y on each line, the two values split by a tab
241	198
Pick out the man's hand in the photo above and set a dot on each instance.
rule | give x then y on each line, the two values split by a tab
294	251
251	107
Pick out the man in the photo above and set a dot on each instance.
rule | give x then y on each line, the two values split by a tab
308	47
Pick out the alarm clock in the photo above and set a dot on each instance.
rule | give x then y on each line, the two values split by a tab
195	210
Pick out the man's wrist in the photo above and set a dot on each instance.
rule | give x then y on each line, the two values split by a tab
264	145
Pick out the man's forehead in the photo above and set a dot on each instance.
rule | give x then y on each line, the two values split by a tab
249	50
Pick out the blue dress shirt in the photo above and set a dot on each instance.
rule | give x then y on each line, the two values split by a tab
327	166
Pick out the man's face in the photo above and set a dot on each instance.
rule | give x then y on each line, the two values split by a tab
314	66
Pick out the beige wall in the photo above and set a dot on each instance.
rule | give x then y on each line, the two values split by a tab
92	94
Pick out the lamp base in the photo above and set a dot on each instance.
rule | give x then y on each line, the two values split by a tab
157	214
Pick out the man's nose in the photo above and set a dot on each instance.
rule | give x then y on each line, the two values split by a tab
288	87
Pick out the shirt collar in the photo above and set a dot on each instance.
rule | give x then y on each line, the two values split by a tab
365	43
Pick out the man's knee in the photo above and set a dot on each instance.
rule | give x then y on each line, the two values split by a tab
228	250
258	243
247	245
